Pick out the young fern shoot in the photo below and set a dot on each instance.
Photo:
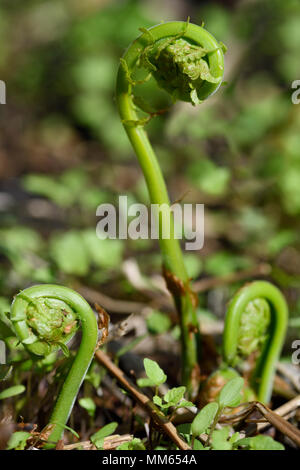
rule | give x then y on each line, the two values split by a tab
256	321
44	318
187	62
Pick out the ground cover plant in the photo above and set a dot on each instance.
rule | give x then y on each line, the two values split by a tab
107	343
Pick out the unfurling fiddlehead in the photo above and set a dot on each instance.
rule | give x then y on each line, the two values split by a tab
44	318
187	62
256	322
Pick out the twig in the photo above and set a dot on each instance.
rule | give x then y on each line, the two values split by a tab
154	288
283	410
156	415
206	284
291	375
110	443
275	418
124	306
282	388
112	305
279	423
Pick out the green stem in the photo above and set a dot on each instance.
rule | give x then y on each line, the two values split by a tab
170	248
265	368
212	428
60	300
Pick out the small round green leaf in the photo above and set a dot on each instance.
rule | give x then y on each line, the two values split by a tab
107	430
18	440
174	395
88	404
204	418
154	372
230	393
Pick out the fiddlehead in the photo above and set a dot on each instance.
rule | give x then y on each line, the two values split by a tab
188	63
256	321
44	318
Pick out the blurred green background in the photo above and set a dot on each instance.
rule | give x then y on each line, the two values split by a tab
63	150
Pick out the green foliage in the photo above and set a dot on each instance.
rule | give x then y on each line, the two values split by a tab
253	326
281	240
208	177
49	323
93	72
204	418
21	240
179	67
106	254
67	189
172	399
22	246
218	19
76	251
98	438
70	254
158	323
18	440
155	374
135	444
193	264
50	188
89	405
239	155
174	395
260	442
230	395
12	391
223	263
221	440
256	119
72	431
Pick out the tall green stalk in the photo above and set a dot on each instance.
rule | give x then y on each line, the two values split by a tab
188	63
44	318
